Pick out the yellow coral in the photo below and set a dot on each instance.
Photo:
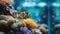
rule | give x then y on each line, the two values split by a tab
30	23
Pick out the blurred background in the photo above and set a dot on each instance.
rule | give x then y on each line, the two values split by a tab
55	16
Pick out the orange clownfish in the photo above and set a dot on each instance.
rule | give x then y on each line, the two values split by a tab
22	15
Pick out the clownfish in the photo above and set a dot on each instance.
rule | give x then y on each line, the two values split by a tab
27	15
22	15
